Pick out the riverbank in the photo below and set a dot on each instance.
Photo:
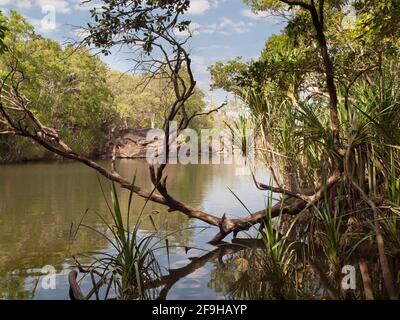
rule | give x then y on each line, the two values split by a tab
129	144
124	144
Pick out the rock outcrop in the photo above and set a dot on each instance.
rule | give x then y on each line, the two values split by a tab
129	143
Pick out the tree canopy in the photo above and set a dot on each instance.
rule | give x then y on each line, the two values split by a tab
78	94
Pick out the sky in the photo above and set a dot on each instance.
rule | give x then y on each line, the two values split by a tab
224	29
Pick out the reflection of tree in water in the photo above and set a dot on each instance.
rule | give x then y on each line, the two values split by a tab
12	287
39	202
236	278
237	274
20	267
188	182
162	284
242	276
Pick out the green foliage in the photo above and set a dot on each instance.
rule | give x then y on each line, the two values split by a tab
225	76
132	263
141	101
277	5
136	105
285	88
380	19
331	237
241	130
286	93
263	5
3	30
279	253
66	86
280	62
140	22
75	93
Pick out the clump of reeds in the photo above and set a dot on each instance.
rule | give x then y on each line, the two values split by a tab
124	271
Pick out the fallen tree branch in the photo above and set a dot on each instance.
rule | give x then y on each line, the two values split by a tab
49	139
264	187
174	275
207	113
288	205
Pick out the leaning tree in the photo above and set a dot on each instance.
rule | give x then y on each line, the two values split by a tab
153	33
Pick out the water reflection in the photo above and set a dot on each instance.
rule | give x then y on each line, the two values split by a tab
38	203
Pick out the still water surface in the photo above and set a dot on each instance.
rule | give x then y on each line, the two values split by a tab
38	203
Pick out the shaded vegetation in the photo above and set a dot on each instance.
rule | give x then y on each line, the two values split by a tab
76	91
311	127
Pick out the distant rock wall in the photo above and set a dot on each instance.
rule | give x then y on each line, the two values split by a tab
133	144
130	144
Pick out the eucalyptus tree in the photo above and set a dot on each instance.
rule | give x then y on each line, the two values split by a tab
67	87
143	103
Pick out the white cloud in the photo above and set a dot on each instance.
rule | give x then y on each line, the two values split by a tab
199	64
254	15
83	5
60	6
43	26
24	4
193	29
235	26
4	2
212	47
198	6
200	68
262	16
224	26
80	33
217	3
